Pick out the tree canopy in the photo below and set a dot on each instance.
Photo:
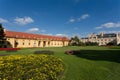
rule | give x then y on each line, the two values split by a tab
75	41
2	36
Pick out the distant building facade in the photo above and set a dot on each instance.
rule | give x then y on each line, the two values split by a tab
102	38
24	40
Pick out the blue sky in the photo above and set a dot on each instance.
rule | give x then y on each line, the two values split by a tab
61	17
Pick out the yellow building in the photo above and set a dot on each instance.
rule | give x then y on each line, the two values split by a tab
24	40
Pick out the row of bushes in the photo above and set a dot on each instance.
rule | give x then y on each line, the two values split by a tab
30	67
83	44
44	52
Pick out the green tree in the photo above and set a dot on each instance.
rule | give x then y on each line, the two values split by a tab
81	44
2	36
74	41
91	44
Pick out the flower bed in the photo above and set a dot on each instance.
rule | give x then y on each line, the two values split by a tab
9	49
30	67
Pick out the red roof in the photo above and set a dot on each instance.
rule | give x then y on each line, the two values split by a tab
24	35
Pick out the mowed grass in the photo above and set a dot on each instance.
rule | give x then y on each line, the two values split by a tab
92	63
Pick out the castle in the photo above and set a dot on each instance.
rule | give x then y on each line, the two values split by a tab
103	38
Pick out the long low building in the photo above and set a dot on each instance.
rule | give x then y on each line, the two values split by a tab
24	40
103	38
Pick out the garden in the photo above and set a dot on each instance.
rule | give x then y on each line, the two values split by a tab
63	63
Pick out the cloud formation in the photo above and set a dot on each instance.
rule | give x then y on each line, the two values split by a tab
3	20
42	31
61	35
72	20
109	25
84	16
24	20
33	30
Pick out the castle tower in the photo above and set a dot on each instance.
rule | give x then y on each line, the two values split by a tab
118	38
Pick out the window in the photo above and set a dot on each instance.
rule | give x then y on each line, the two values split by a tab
29	42
101	43
23	43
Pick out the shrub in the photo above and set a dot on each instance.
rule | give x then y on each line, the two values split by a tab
69	52
30	67
44	52
72	52
91	44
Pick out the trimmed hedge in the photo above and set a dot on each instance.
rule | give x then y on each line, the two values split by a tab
44	52
30	67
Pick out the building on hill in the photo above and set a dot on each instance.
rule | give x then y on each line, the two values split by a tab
24	40
102	38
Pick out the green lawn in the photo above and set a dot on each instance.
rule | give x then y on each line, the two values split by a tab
92	63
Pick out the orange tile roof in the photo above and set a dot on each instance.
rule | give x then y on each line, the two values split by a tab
24	35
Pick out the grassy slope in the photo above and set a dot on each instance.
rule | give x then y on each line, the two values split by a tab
93	63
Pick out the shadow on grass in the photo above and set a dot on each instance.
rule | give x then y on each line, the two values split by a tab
107	55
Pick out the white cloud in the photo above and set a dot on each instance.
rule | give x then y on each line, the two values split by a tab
24	20
33	30
42	31
84	16
61	35
3	20
109	25
71	20
49	34
99	27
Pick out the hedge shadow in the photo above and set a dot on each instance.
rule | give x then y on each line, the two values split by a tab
107	55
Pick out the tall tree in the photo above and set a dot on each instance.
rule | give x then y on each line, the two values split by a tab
74	41
2	36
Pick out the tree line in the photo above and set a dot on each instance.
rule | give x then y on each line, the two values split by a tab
75	41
